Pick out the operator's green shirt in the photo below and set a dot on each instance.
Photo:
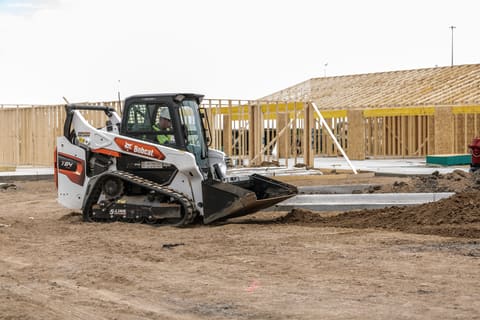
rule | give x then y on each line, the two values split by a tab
161	138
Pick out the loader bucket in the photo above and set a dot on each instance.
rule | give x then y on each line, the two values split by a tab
228	200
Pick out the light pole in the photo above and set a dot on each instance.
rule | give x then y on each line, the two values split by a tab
452	27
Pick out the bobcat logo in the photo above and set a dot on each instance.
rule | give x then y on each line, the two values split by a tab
139	148
127	146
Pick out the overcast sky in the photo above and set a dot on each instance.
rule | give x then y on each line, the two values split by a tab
88	50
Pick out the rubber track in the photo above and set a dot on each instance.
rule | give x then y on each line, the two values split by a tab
147	184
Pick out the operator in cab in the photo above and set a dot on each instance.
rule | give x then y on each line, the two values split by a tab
164	125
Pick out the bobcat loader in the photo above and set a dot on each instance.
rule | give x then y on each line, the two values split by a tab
153	165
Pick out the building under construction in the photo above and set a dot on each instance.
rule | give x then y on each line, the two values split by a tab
412	113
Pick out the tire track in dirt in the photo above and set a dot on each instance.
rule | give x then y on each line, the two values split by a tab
63	299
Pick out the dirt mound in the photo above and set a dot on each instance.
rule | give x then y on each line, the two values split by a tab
456	181
457	216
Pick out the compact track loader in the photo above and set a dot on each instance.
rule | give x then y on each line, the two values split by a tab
153	165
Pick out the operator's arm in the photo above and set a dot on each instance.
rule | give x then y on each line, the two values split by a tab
163	138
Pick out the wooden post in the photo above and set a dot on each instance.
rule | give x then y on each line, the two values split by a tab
430	135
283	140
308	150
403	136
255	135
377	137
419	134
389	136
356	135
384	136
17	136
227	134
444	131
410	135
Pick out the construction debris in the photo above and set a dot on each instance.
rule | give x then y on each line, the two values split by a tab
5	186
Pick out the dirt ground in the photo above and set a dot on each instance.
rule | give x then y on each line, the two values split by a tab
418	262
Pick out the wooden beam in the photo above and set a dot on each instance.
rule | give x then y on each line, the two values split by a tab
444	131
227	135
356	135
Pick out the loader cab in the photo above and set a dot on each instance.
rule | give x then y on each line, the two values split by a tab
172	120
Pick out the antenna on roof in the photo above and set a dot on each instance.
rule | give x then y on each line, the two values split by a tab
452	27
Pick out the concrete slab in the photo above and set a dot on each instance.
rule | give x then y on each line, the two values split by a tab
346	202
336	189
27	173
411	166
